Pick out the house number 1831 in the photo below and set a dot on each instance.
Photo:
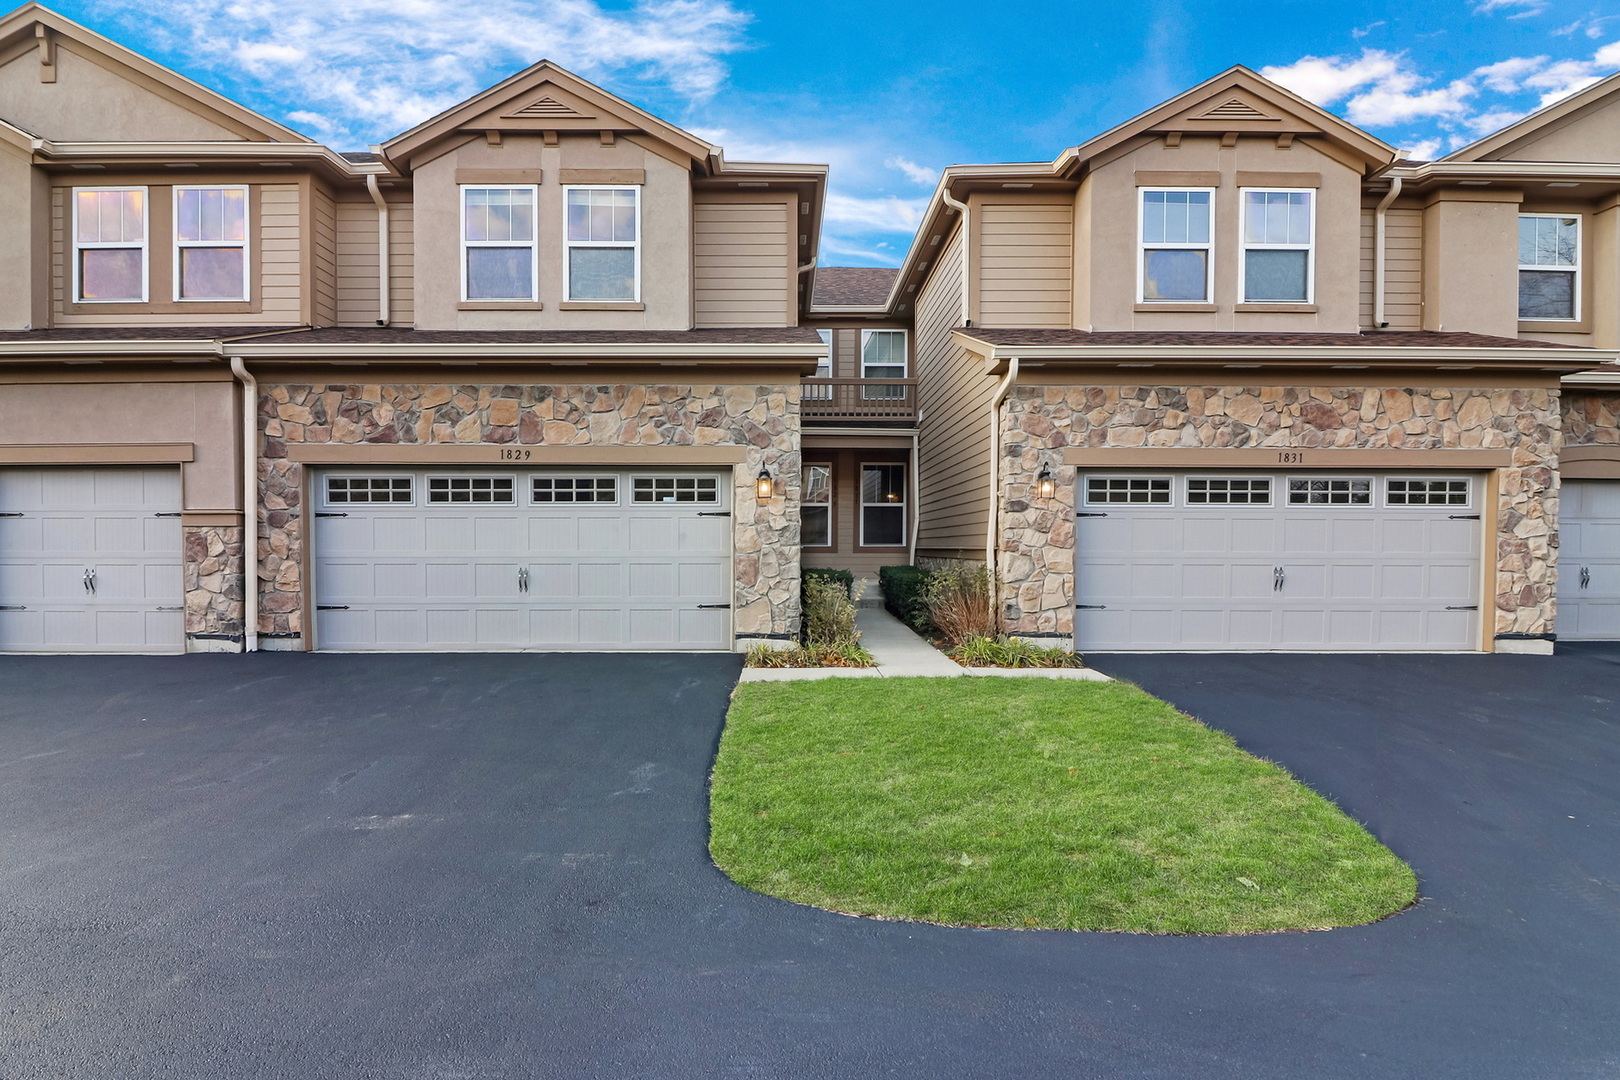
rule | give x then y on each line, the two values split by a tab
1291	457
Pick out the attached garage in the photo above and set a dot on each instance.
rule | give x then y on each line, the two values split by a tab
91	560
1206	561
554	559
1589	561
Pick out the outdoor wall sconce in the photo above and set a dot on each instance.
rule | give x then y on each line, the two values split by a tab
1046	483
764	486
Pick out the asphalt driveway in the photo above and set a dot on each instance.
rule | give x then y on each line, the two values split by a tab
494	866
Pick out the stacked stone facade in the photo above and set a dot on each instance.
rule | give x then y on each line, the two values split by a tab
763	420
1036	556
213	584
1591	418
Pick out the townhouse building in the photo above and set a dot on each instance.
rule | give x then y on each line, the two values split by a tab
547	372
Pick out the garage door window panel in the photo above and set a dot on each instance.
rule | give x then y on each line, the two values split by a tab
1229	491
1138	490
349	490
675	489
485	490
574	489
1330	491
1426	492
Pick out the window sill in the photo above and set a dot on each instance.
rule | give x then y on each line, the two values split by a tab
1278	307
1205	308
600	305
500	305
1555	326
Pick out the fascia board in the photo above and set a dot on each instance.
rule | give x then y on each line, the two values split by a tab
1509	170
1524	126
109	350
1277	355
795	353
1601	379
222	151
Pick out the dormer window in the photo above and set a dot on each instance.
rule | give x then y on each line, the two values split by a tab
1549	266
1278	252
497	243
210	238
109	245
1176	245
603	259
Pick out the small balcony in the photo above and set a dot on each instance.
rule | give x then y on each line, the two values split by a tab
859	402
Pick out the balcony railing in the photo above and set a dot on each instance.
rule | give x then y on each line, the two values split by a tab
859	401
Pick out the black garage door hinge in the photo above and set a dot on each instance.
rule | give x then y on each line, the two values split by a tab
329	514
331	607
713	607
1089	513
169	513
1090	607
1462	607
12	513
714	513
1464	517
13	607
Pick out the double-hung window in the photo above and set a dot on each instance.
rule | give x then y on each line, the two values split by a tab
603	260
1549	266
815	507
824	370
497	243
1177	244
1279	228
210	243
883	505
883	356
109	245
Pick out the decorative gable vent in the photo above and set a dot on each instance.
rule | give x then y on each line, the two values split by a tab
547	108
1234	109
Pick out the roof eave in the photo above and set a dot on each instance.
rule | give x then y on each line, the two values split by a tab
684	353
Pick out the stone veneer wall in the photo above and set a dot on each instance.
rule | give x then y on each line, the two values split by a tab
213	582
1036	557
762	419
1591	417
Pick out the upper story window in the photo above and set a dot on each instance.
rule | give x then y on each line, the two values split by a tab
1176	231
883	354
1549	266
210	241
497	242
824	365
109	245
1279	228
603	259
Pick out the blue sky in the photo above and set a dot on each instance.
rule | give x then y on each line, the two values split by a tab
883	94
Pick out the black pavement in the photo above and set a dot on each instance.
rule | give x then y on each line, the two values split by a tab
495	866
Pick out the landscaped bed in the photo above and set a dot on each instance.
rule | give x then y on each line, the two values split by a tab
1029	804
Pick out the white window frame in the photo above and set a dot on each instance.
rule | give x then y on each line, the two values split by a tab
1468	491
429	500
533	244
1143	247
1190	504
719	489
1245	246
1573	271
418	491
832	477
825	362
1169	478
179	245
98	245
904	504
570	245
1374	491
618	488
905	353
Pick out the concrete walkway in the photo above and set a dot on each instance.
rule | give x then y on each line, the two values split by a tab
899	653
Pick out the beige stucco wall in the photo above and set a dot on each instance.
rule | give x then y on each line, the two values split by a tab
666	235
1036	546
1592	133
24	240
1108	201
1471	261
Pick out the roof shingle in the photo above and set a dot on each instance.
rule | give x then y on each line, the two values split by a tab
853	286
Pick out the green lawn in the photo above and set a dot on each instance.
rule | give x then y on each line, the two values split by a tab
1029	803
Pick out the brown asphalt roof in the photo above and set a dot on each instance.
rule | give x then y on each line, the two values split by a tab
1412	339
367	335
853	286
136	333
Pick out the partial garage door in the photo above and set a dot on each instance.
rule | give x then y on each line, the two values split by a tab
90	560
1589	560
605	559
1208	561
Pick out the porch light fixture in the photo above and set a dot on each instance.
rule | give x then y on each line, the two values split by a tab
764	486
1046	483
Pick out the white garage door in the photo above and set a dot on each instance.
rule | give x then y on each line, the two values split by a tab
90	560
1589	560
1206	561
606	559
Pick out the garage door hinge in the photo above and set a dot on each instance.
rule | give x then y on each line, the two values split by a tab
1091	607
1086	513
175	608
1464	517
713	607
329	513
714	513
12	513
13	607
1462	607
331	607
174	513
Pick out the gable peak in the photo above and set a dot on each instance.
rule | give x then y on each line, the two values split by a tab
546	107
1234	108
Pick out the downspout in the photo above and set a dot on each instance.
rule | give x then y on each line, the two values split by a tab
992	540
250	505
916	494
1379	322
383	257
967	249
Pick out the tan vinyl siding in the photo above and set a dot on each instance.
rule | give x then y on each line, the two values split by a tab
325	237
277	289
846	354
1026	264
1403	267
954	395
357	262
742	263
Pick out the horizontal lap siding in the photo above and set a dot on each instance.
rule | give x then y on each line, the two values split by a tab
1403	267
742	264
1026	264
357	263
325	237
954	437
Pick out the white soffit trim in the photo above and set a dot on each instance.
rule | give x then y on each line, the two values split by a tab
221	151
1171	354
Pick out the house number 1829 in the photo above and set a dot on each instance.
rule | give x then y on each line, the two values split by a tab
512	453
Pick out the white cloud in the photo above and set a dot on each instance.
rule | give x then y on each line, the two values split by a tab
1522	7
1327	79
1426	150
1564	78
919	174
1392	103
1363	31
1493	120
372	68
887	213
1504	76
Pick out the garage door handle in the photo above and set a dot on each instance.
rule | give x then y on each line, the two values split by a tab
1278	576
523	579
1586	576
13	607
90	581
1464	517
713	607
172	513
13	513
1090	607
1462	607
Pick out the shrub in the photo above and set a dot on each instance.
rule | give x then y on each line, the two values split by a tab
1010	652
959	604
829	613
766	656
903	594
843	578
